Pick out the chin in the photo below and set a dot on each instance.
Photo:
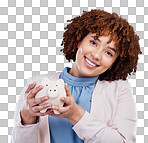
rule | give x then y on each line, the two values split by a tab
85	73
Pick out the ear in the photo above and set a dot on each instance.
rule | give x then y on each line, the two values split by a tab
45	81
109	68
60	82
79	44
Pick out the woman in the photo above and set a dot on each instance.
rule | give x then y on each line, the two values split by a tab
99	107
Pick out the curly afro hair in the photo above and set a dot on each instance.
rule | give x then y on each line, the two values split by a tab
104	23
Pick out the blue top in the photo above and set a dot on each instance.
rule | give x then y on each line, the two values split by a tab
81	89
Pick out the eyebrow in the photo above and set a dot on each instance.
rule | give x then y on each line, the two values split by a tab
108	47
112	49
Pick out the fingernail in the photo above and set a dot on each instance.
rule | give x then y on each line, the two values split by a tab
62	98
45	98
40	86
32	84
53	107
48	105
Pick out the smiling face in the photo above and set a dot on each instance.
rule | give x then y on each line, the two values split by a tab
94	57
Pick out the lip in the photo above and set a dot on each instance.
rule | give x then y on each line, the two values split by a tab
88	65
91	61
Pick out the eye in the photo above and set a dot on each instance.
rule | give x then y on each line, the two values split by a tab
56	85
46	84
93	43
109	53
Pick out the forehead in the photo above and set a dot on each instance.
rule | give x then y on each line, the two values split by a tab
96	36
104	38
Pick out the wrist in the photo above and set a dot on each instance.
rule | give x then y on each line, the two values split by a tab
77	115
26	119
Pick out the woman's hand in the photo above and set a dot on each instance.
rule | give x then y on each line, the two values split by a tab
31	110
70	110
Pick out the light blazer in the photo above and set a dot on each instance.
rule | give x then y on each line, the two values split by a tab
112	119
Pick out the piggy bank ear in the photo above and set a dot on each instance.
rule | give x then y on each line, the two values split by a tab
60	82
45	81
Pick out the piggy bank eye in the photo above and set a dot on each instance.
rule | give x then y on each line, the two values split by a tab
46	84
56	85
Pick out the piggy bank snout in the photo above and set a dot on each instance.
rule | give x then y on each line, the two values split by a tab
52	92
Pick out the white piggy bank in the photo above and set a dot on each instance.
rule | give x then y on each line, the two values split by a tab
54	89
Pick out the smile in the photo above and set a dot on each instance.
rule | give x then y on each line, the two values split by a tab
90	63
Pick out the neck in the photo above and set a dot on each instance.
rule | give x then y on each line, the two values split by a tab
74	71
71	71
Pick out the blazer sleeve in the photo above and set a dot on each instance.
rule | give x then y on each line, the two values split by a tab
23	133
121	130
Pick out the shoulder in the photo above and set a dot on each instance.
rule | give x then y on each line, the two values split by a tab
117	90
38	78
116	84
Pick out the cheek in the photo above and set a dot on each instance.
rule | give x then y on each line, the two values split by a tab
85	49
80	53
107	62
80	50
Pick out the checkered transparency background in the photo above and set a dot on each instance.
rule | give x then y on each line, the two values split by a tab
30	41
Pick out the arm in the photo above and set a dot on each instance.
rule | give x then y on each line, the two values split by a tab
123	127
27	112
22	133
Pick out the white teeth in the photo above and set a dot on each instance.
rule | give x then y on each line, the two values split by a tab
90	62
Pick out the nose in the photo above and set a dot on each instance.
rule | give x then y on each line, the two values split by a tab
97	54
